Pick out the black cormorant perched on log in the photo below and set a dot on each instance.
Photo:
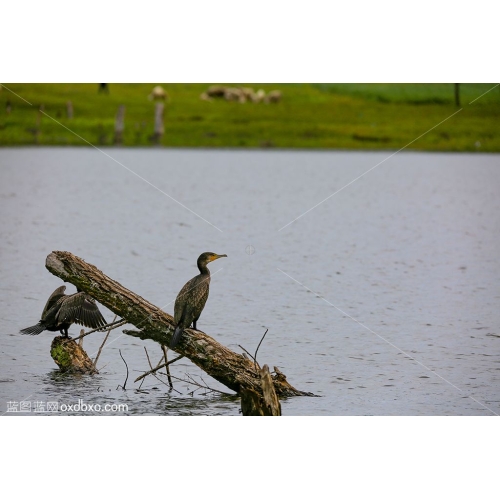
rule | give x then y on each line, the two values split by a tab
192	297
61	311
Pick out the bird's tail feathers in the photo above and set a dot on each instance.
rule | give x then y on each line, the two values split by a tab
33	330
176	336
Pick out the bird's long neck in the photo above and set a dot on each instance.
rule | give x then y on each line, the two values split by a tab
203	268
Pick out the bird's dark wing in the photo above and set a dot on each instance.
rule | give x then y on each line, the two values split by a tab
199	301
56	295
49	318
191	300
80	308
182	299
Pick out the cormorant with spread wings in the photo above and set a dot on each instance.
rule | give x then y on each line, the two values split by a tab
61	311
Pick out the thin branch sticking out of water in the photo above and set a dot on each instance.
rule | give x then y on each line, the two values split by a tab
192	381
126	378
102	345
164	349
157	368
256	350
153	370
254	357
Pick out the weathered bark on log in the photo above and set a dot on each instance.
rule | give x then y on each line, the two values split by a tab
265	404
231	369
70	357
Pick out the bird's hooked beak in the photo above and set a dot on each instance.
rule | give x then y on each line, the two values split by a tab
215	257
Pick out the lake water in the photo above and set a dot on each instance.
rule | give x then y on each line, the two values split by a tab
383	300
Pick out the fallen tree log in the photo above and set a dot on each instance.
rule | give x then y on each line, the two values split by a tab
233	370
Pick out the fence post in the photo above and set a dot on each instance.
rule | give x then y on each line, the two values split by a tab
159	128
119	124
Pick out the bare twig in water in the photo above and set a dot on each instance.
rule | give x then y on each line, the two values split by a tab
164	349
102	345
254	357
256	350
157	368
206	385
126	378
147	355
111	326
153	370
80	339
142	381
160	362
192	381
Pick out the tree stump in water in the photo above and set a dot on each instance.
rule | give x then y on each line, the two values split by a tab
70	357
261	405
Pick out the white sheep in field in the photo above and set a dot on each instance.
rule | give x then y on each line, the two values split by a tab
273	96
216	91
234	94
158	93
240	94
258	96
247	92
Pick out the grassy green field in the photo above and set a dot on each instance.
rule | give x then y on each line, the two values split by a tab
346	116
